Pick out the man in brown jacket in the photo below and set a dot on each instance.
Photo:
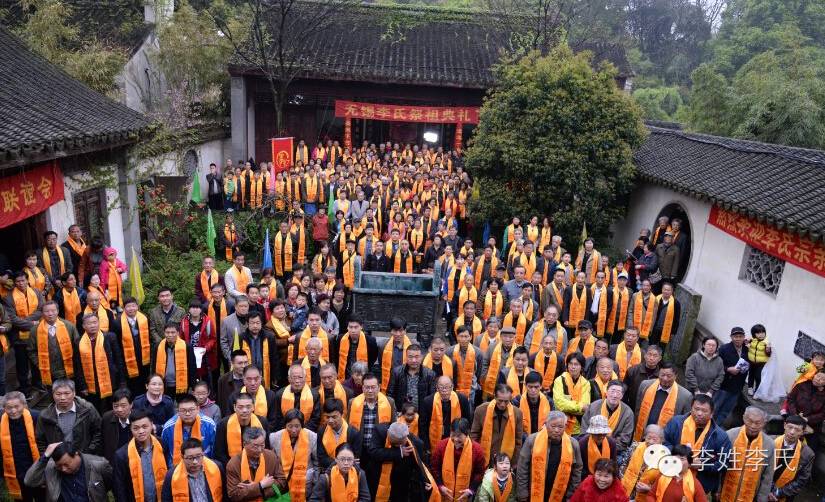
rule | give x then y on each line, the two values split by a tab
239	479
502	407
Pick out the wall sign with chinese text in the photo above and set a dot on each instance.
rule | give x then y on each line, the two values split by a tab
405	113
789	246
31	192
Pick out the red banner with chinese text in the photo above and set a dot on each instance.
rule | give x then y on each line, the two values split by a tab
31	192
783	244
281	154
404	113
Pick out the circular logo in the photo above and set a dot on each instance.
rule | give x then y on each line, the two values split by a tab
670	465
282	160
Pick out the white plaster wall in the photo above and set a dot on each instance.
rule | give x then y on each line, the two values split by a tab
61	214
140	80
713	272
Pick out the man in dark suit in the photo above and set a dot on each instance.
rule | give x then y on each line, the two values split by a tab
354	331
400	388
444	393
394	443
115	424
377	261
231	382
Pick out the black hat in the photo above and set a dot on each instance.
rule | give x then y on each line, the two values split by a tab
585	324
736	330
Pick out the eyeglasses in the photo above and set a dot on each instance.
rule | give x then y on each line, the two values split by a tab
194	458
257	446
345	460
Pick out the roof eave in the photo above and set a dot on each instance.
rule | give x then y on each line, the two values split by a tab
790	226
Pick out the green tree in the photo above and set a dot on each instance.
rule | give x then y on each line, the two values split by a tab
49	30
708	109
659	103
555	137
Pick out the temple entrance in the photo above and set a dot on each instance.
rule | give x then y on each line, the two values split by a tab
676	211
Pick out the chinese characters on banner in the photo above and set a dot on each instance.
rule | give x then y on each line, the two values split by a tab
404	113
31	192
783	244
281	154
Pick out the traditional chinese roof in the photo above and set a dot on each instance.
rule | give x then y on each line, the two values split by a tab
48	114
778	185
415	45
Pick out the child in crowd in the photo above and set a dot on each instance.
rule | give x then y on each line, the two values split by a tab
759	351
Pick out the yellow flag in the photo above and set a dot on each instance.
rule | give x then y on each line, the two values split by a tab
236	343
135	280
583	237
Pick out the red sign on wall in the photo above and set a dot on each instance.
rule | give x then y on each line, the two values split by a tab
404	113
788	246
31	192
281	154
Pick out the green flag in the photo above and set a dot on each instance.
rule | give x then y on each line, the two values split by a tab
504	242
196	190
210	233
329	209
135	280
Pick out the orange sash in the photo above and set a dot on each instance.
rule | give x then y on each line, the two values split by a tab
71	304
36	278
446	365
668	409
181	376
538	468
578	307
788	474
343	353
330	443
386	361
539	330
180	481
464	370
621	358
688	487
498	495
295	462
102	315
177	438
601	319
457	479
635	467
667	326
234	444
521	326
24	305
99	367
129	344
339	393
544	410
647	324
306	401
66	350
437	419
340	490
548	374
621	299
136	469
494	367
587	350
748	459
595	452
490	308
508	440
689	434
261	408
397	260
356	410
9	470
612	418
47	262
208	282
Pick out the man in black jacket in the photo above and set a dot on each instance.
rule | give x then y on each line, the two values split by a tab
354	330
404	451
214	188
115	424
377	261
69	419
444	393
411	381
733	354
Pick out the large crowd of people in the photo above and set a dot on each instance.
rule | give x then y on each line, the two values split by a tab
550	381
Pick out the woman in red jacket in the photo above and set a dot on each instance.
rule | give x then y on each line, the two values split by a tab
198	330
602	486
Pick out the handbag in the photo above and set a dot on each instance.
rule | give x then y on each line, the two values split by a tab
655	277
279	497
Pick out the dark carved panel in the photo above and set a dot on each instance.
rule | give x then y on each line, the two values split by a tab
805	346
